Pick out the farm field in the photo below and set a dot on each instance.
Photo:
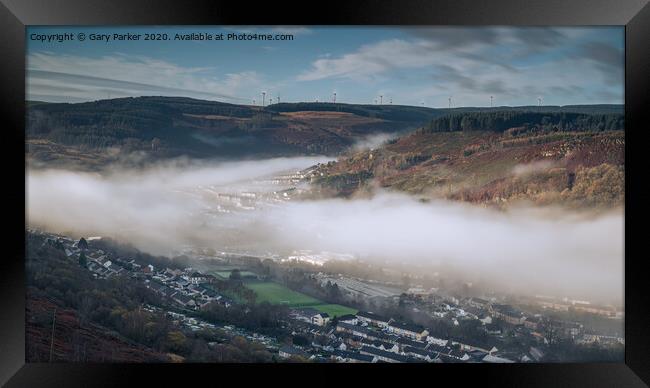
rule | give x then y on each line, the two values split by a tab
275	293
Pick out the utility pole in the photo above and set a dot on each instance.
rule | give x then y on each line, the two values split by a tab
52	340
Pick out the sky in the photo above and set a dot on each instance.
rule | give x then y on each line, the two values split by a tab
423	66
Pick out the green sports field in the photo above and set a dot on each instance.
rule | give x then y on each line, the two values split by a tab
276	293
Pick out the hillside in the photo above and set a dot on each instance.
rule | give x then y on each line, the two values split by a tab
92	134
578	164
160	127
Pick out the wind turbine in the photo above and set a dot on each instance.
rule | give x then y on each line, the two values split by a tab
334	100
381	99
263	98
491	97
449	102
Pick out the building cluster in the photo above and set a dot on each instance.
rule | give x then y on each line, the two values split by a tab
187	288
364	336
369	337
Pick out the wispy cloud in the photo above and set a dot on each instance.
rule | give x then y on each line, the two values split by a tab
117	75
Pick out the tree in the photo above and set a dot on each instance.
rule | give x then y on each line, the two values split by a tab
235	274
300	340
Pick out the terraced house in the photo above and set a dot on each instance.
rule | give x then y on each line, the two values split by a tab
408	330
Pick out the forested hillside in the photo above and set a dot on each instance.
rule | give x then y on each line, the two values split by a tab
93	134
494	158
500	121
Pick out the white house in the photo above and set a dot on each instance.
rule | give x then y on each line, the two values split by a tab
437	341
348	318
320	319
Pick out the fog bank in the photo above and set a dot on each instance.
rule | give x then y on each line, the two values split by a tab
159	209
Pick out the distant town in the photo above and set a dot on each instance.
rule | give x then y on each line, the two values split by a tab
486	328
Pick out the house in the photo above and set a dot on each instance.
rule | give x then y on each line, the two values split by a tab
348	318
532	323
195	278
476	355
352	329
408	330
345	356
421	354
372	319
304	314
458	355
479	303
508	314
492	329
437	341
387	346
572	329
418	291
351	340
183	300
116	269
402	342
536	354
320	319
338	345
288	351
383	355
601	339
467	347
381	336
210	279
496	360
173	272
485	319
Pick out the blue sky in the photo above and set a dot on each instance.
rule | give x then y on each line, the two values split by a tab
409	66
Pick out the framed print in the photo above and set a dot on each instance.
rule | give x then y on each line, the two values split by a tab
212	189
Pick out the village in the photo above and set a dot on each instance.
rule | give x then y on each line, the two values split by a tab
365	336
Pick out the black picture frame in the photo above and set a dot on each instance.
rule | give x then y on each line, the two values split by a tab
16	14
